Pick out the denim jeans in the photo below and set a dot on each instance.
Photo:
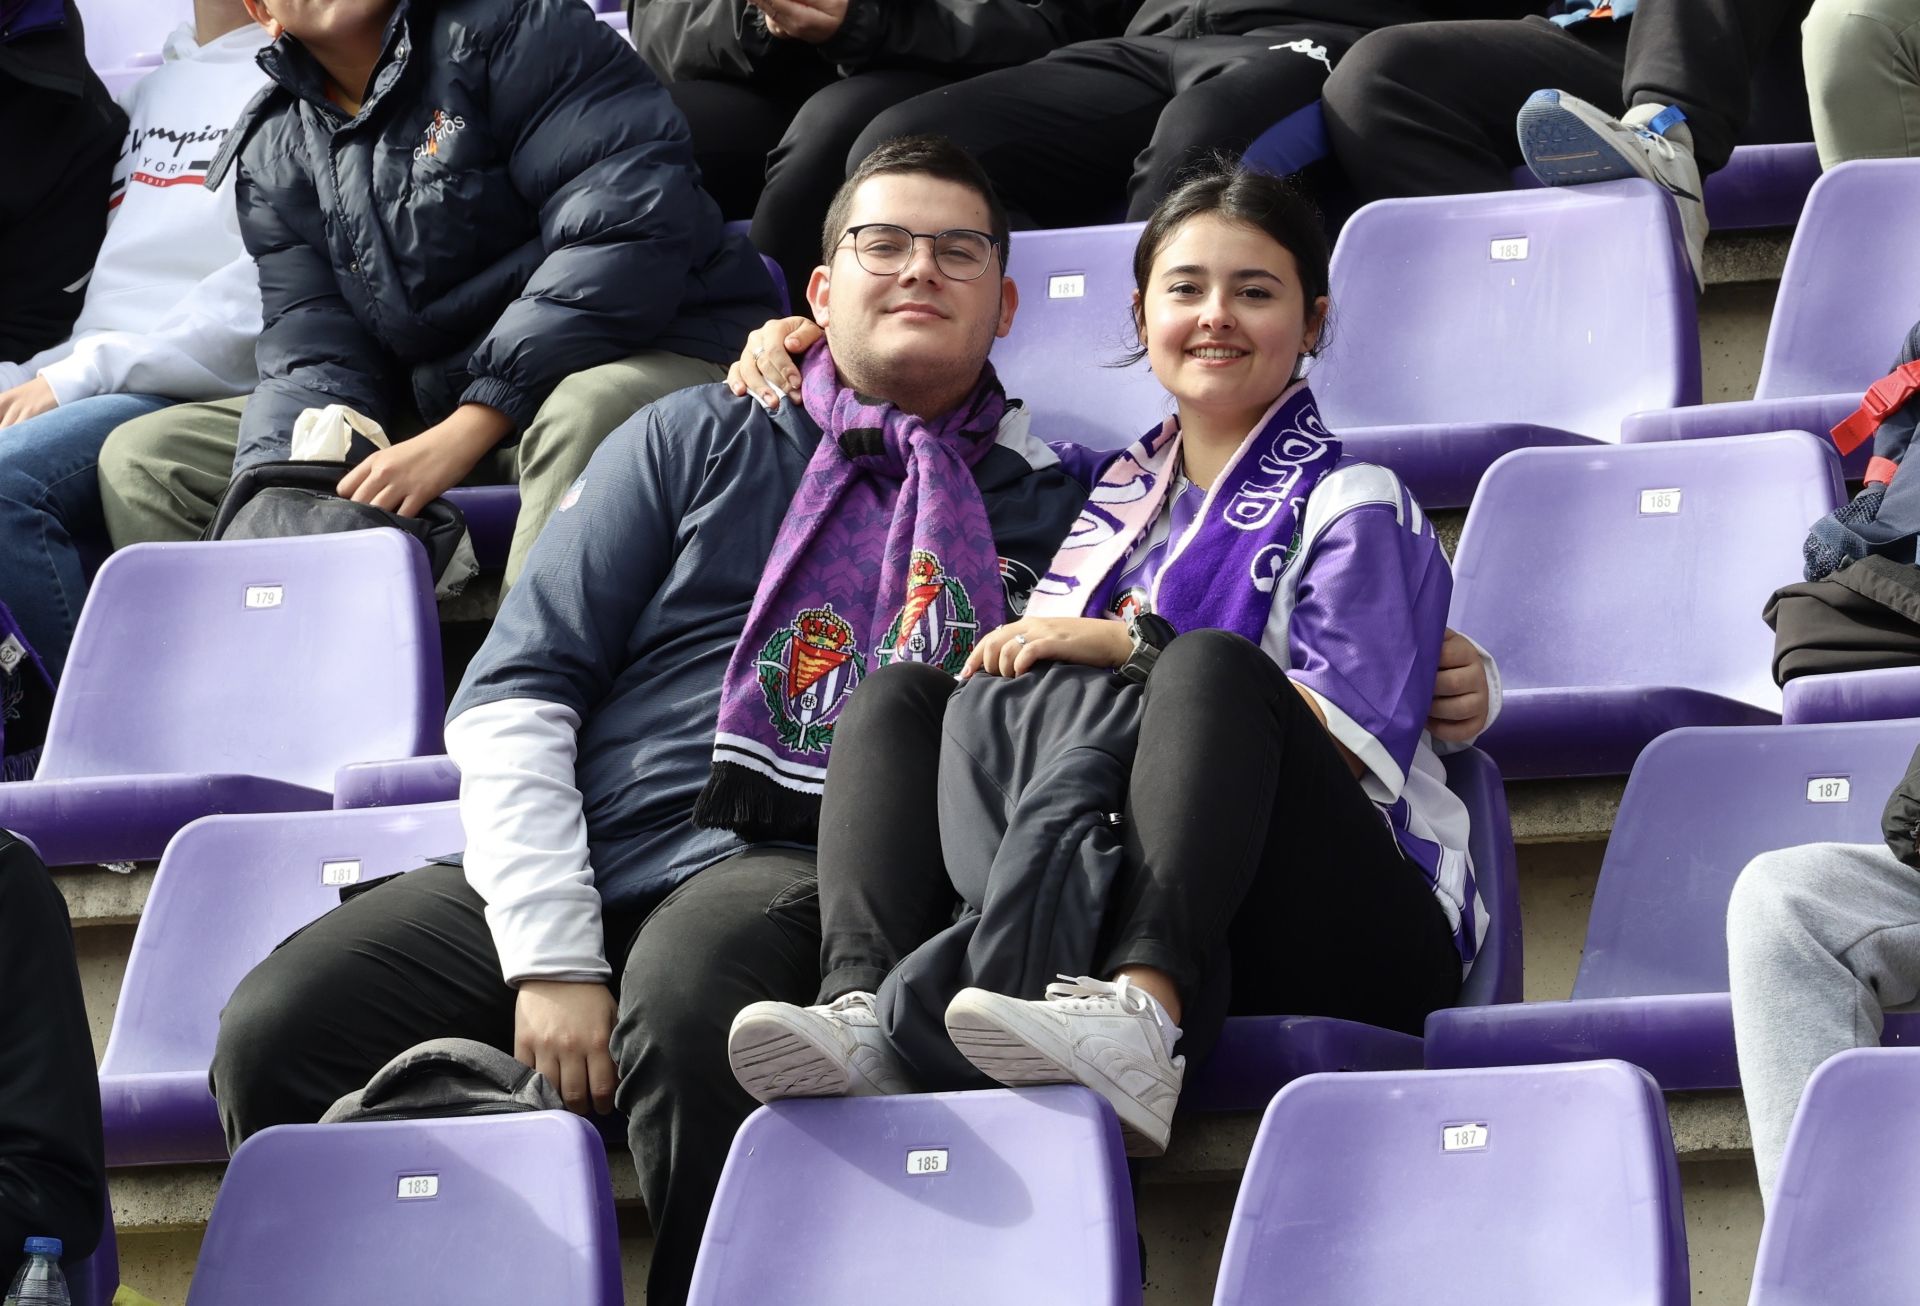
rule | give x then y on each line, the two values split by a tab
49	508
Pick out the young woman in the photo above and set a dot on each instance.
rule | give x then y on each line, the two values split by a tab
1194	773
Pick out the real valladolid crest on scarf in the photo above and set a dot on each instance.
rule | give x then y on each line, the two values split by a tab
885	554
1222	571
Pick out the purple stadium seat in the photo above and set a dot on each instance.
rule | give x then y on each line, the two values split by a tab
1621	589
1072	327
1840	1225
509	1209
229	889
942	1199
124	37
1847	298
402	782
1466	326
1652	984
93	1282
1465	1188
1257	1055
1881	694
231	677
1761	186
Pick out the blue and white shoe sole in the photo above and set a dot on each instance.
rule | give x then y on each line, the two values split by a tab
1562	149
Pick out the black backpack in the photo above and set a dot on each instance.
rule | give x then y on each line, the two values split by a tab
277	500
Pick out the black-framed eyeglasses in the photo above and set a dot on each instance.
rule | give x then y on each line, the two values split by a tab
961	253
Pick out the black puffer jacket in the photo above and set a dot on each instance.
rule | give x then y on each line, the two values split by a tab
727	39
516	201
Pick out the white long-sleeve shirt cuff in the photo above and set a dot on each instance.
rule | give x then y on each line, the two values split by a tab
526	834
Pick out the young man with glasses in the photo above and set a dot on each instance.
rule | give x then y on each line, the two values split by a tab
585	733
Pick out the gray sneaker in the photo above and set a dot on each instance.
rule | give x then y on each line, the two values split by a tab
1568	142
779	1050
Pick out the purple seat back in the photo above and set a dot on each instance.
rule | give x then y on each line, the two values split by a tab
1565	308
125	34
942	1199
1461	1188
1851	287
93	1282
229	889
1701	804
1496	973
1576	570
1840	1227
1072	325
284	659
509	1209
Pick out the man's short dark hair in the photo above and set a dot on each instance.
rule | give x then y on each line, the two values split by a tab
934	156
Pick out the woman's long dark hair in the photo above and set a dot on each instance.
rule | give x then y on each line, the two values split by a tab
1271	204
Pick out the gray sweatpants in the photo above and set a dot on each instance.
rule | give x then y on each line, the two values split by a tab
1821	940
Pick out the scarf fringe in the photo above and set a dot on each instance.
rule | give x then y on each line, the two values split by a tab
740	799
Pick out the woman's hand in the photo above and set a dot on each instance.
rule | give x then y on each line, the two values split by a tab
1016	647
1460	701
27	400
766	367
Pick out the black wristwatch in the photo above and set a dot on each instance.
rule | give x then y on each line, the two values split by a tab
1150	634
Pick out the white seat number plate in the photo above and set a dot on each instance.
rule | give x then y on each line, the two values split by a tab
928	1161
1464	1138
1829	789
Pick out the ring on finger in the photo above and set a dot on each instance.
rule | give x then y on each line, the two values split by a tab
1019	639
758	350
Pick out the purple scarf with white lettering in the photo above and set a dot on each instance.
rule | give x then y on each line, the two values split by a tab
1221	573
885	555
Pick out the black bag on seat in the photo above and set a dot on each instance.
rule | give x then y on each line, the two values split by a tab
278	500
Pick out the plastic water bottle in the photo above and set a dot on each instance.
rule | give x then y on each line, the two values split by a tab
40	1282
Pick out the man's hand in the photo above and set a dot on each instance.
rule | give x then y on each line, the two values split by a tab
562	1029
1459	711
28	399
413	473
812	21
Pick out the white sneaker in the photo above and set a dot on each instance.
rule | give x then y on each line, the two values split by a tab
1567	142
779	1050
1111	1037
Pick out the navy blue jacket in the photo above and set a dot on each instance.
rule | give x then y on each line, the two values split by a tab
516	201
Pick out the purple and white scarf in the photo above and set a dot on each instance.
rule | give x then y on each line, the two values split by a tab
1222	571
885	555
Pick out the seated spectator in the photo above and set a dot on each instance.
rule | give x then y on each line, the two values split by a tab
1100	124
1822	940
478	224
64	132
584	727
777	91
171	314
1658	89
1232	654
53	1176
1863	78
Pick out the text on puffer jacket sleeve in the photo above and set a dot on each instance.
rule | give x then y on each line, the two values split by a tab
597	146
313	350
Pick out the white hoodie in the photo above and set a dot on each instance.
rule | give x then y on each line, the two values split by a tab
173	308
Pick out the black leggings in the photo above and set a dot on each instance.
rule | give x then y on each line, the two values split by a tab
1258	874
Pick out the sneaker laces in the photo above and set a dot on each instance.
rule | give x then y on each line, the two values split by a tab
851	1002
1085	988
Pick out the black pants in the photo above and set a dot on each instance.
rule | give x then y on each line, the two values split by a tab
1258	874
412	959
1429	108
53	1176
1063	137
779	152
